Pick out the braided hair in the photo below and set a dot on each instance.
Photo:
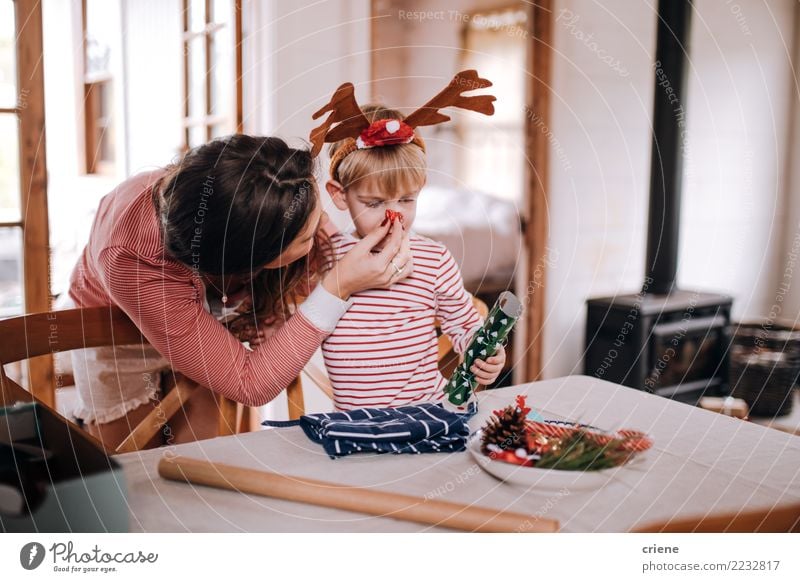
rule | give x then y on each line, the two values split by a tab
233	205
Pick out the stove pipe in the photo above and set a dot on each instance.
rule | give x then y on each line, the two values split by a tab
669	134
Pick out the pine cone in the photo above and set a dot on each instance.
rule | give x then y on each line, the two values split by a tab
505	429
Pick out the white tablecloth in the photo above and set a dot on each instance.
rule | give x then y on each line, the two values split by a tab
701	462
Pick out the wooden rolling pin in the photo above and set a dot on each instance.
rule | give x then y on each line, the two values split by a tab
358	499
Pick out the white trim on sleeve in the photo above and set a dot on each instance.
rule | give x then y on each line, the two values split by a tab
323	309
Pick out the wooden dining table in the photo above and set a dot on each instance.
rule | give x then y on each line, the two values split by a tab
701	463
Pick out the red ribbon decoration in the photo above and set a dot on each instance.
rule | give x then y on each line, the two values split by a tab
385	132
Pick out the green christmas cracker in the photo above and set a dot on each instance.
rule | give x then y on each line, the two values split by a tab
499	322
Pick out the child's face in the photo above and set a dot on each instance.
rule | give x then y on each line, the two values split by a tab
367	205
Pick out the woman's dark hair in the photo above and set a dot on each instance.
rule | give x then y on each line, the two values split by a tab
235	204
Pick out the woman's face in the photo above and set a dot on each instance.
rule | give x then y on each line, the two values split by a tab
296	250
302	243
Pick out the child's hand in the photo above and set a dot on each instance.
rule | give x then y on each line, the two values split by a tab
359	269
487	371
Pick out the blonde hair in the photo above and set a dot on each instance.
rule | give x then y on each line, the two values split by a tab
392	168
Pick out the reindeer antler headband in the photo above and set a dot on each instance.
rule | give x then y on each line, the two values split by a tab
354	126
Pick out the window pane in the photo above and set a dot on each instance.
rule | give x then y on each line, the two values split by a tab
197	135
8	69
10	272
104	121
9	168
223	80
492	158
100	150
197	14
100	24
220	130
222	11
197	78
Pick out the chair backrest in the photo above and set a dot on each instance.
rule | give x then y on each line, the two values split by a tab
39	334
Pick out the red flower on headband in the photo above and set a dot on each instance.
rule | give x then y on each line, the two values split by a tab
385	132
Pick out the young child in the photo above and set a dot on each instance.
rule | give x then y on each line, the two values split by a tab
384	350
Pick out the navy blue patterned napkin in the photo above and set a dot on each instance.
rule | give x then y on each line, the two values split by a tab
422	428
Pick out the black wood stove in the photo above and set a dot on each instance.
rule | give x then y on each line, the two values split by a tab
665	340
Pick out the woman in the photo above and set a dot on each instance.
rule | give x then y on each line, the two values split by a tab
234	223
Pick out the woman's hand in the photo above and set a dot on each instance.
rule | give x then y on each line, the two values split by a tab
360	269
487	371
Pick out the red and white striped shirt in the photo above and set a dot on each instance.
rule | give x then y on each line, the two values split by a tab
125	264
384	350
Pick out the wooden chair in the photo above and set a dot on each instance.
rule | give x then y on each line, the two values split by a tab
40	334
774	520
294	393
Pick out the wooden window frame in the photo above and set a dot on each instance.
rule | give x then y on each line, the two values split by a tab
460	127
33	221
94	164
208	121
540	58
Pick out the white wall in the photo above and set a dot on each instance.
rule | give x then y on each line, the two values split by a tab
734	190
296	55
598	186
299	53
734	214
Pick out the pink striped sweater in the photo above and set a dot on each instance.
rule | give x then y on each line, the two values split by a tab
384	350
124	264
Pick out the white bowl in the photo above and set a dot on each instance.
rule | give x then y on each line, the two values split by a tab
541	479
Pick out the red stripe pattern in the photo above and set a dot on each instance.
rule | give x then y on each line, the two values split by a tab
384	350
